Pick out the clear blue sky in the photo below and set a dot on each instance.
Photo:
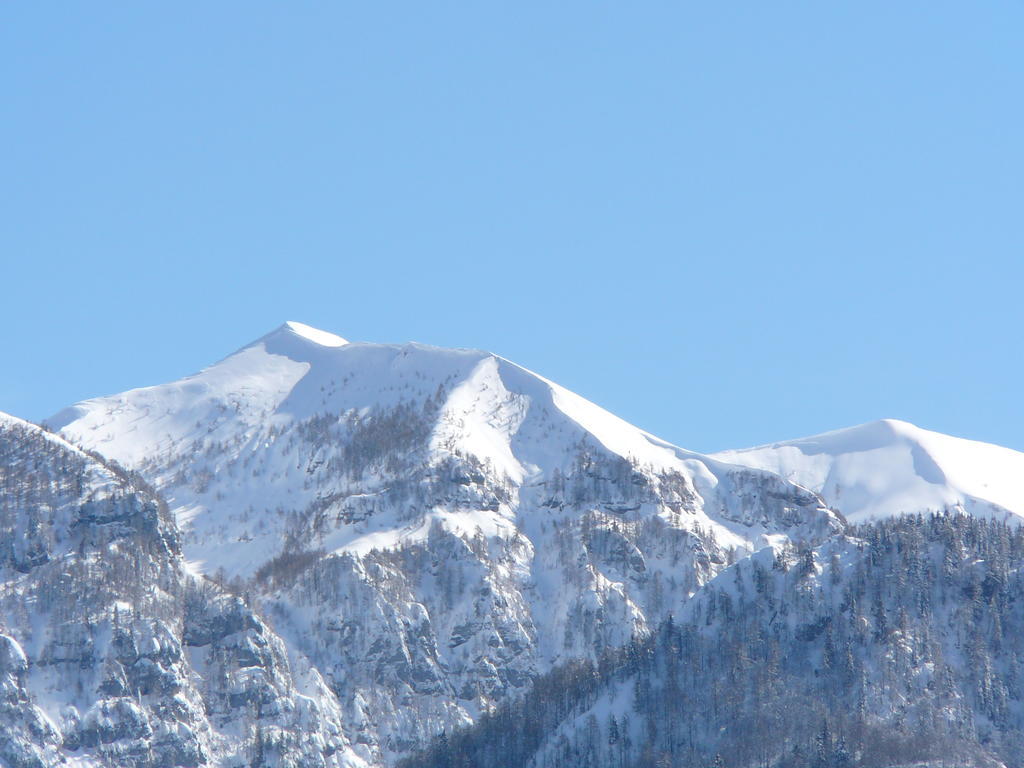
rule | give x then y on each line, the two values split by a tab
728	222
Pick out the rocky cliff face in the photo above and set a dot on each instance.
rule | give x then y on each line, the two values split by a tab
113	653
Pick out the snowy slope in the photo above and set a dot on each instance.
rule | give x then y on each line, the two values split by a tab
223	429
889	467
433	527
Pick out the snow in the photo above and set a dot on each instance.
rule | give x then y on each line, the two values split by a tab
151	421
323	338
888	467
235	419
480	418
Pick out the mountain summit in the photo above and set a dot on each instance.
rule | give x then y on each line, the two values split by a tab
308	332
889	467
346	407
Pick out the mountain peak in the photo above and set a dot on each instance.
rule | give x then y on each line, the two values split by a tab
309	333
889	466
297	341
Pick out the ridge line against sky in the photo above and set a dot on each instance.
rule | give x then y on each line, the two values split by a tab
728	225
320	338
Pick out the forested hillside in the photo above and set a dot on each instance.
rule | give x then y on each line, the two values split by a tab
898	644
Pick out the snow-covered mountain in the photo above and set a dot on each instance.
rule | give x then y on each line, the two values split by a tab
432	528
325	553
890	467
301	418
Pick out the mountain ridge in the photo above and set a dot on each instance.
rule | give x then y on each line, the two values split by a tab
429	530
285	374
889	466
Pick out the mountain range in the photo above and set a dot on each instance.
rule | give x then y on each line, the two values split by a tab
374	545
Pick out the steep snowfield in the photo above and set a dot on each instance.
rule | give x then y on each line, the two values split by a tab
888	467
432	527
